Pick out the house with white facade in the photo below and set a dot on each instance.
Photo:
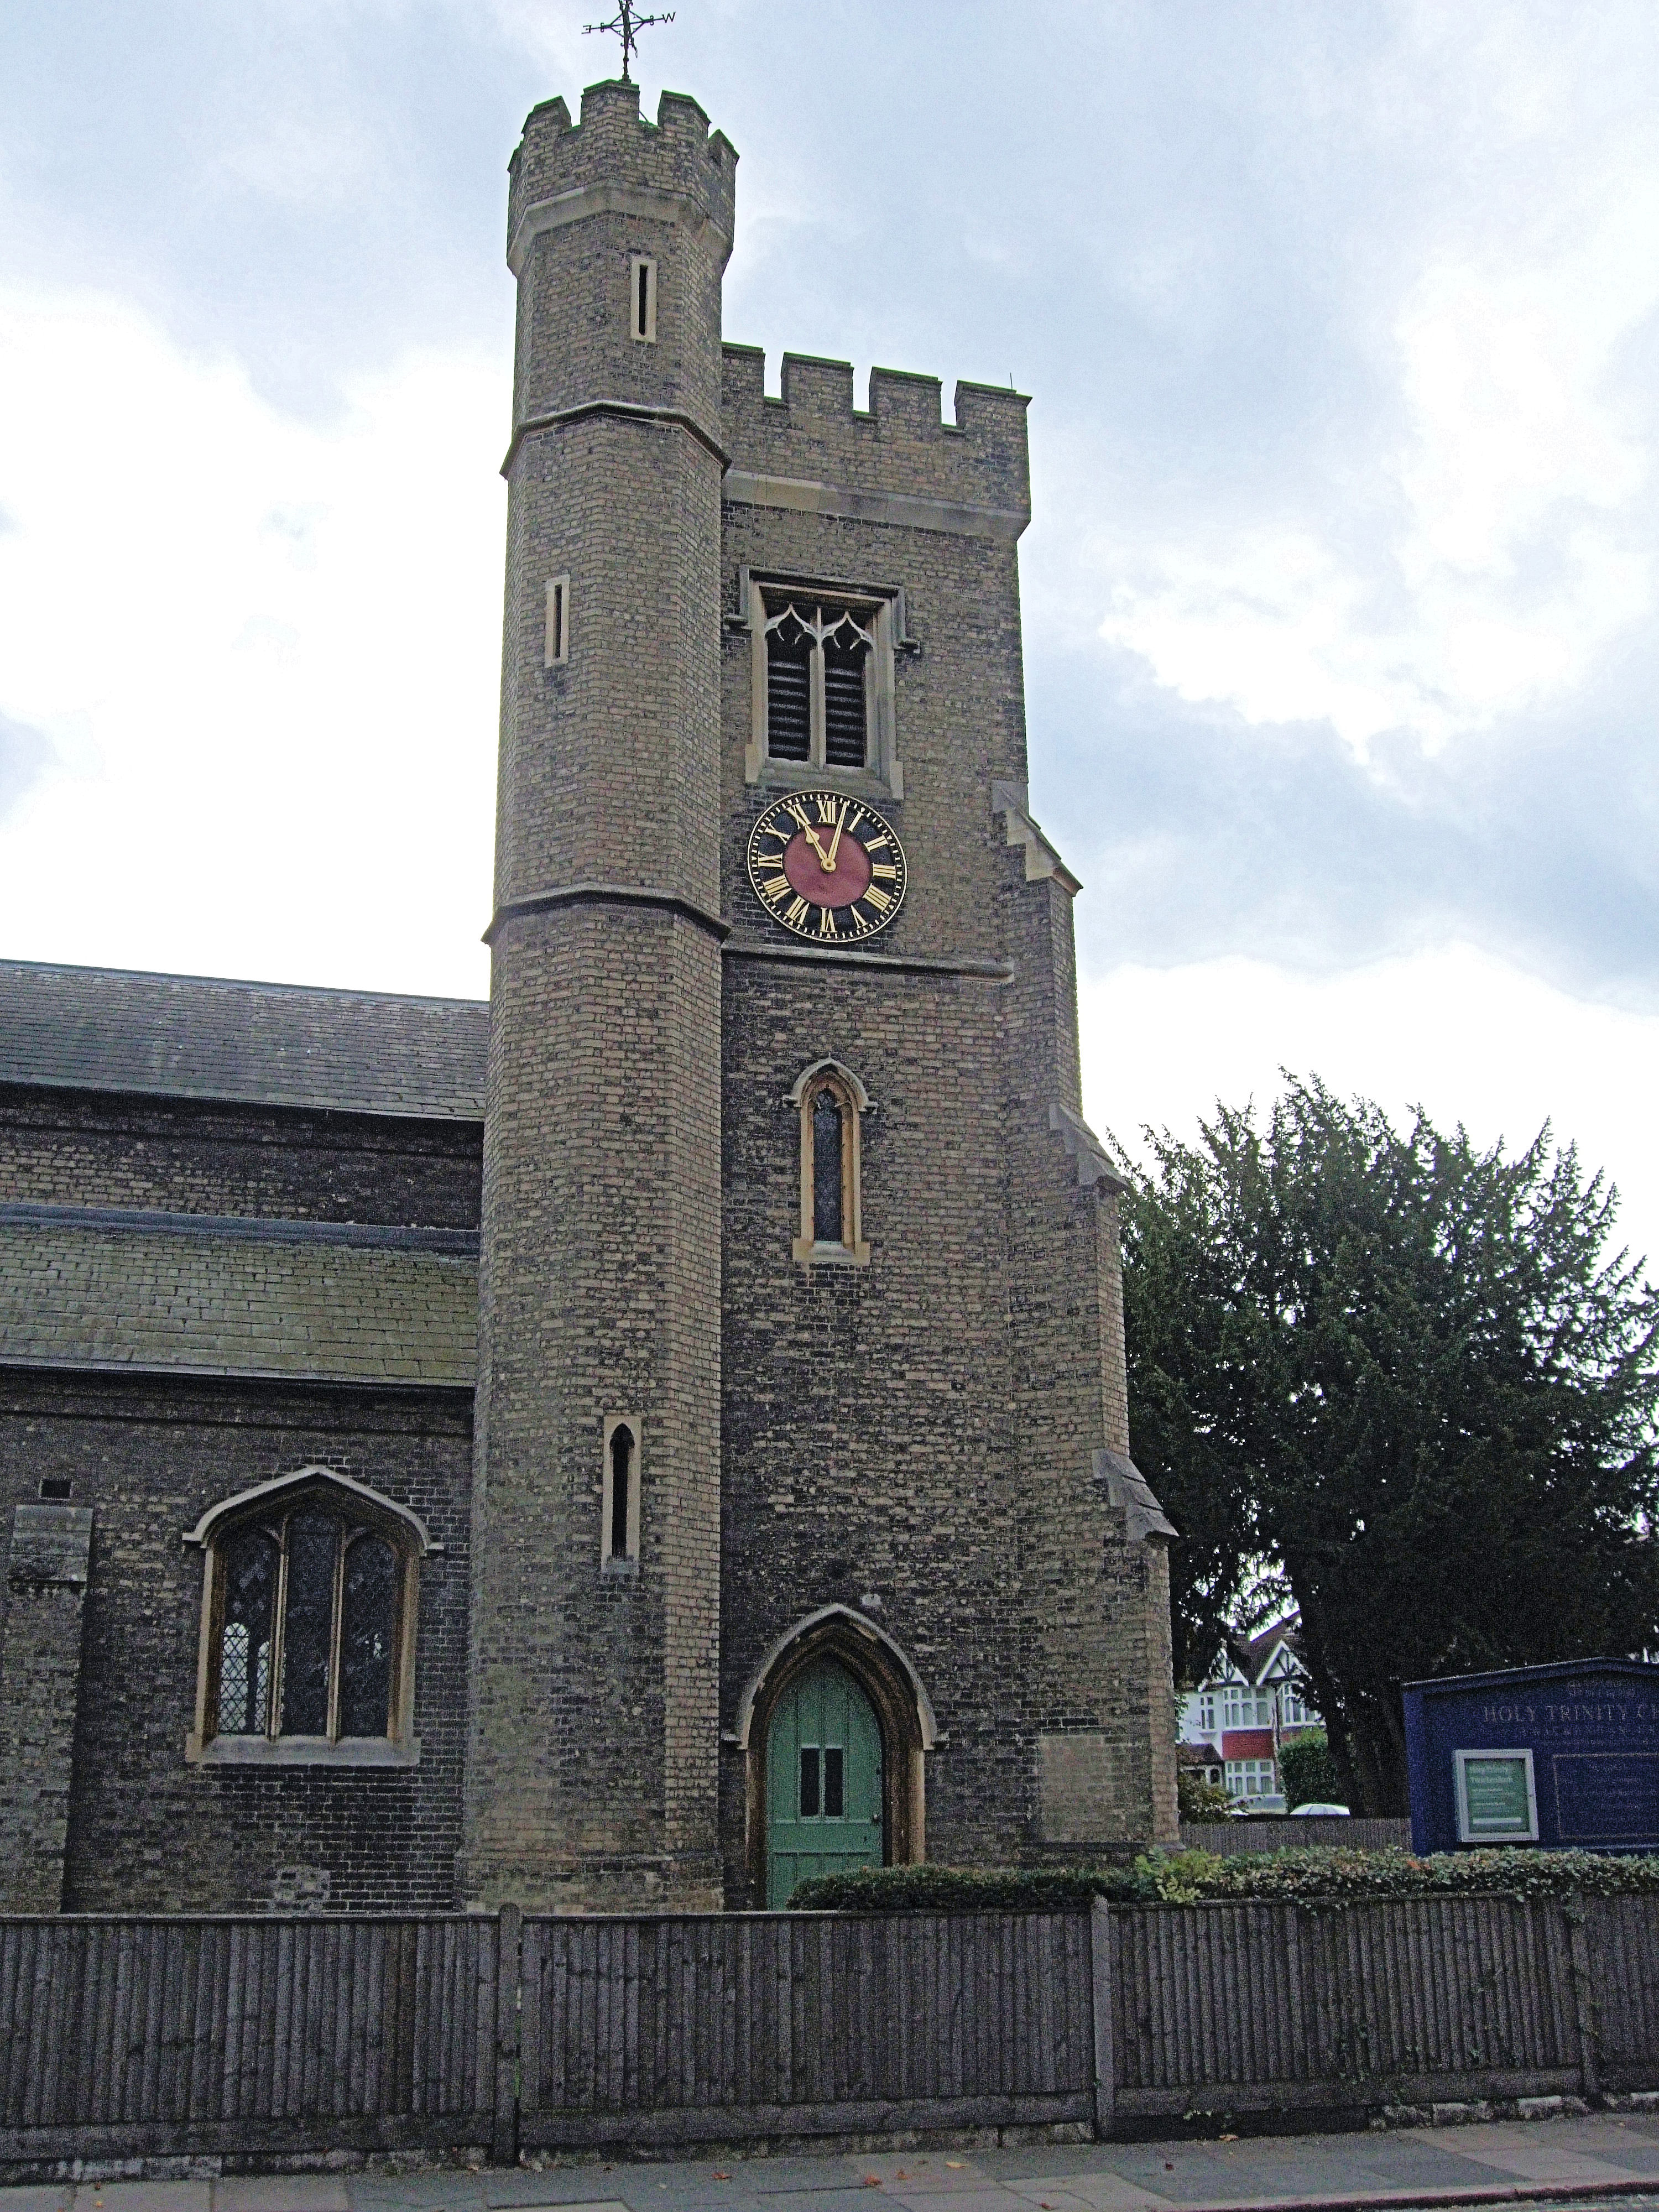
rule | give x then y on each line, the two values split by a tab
1253	1699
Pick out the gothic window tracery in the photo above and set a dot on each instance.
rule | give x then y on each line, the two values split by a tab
309	1609
819	666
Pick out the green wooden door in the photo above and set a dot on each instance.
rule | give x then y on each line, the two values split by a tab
822	1782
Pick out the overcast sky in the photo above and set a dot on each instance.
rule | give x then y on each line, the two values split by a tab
1341	598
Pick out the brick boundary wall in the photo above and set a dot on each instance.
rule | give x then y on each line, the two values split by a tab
260	2042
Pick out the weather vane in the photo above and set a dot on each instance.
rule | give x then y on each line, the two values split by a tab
628	23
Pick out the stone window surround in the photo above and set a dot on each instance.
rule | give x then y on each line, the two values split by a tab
855	1103
556	644
406	1533
612	1564
643	298
881	606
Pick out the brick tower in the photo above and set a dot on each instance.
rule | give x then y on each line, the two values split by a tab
593	1727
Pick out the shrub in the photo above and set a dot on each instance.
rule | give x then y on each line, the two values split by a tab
1309	1771
1199	1799
1185	1877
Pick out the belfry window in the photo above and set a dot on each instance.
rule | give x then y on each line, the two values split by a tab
819	673
619	1535
831	1101
823	674
308	1619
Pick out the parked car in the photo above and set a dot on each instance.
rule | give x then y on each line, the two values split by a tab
1324	1812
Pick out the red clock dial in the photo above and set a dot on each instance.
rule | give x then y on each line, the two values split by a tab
809	869
826	865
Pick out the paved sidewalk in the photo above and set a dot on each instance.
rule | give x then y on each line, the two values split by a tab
1567	2160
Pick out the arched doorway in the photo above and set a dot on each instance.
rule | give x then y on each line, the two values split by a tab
863	1651
824	1795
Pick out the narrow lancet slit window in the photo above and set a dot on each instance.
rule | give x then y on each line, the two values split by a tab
828	1224
643	285
622	1482
555	649
832	1102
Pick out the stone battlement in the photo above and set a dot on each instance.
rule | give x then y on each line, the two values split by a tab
901	445
615	152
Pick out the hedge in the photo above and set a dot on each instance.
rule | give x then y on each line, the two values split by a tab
1185	1877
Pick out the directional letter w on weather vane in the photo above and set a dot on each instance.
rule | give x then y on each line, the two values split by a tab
628	23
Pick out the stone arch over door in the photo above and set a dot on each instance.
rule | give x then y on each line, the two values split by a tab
904	1716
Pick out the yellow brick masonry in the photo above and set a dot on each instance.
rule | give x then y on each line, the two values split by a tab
72	1295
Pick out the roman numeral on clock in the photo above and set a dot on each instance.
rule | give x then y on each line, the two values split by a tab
825	866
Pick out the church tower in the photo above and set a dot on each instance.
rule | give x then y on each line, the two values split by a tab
593	1727
805	1531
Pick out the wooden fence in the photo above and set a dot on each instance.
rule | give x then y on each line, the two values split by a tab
785	2023
268	2038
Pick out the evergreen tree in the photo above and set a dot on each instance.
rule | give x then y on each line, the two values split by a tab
1407	1375
1308	1771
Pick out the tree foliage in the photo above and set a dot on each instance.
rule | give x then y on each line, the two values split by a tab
1310	1773
1408	1376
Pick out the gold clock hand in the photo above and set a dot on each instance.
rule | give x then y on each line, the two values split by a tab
835	843
826	860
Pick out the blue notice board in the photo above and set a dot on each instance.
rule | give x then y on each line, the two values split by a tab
1566	1757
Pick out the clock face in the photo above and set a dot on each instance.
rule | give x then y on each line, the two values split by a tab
827	867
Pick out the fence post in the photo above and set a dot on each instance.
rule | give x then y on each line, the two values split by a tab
1572	1911
504	2143
1100	1977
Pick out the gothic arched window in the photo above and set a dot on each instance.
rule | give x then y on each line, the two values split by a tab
832	1102
822	678
820	670
619	1531
308	1618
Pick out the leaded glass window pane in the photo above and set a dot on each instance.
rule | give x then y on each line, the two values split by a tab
308	1629
826	1169
245	1654
368	1614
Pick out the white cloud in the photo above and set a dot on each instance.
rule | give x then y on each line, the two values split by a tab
1492	533
1465	1036
265	656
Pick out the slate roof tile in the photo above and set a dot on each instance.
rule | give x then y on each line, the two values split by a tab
272	1045
75	1296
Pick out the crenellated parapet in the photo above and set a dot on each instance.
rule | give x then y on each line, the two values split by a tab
616	161
898	461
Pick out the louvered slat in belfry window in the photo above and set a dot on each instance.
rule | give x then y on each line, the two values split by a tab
788	701
843	706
